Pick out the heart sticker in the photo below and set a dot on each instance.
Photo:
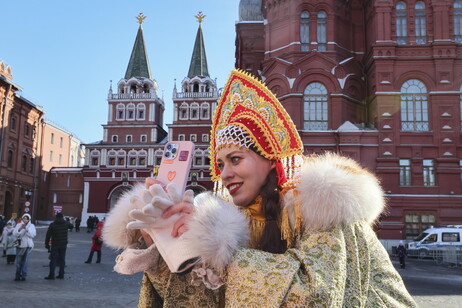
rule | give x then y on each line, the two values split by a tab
171	175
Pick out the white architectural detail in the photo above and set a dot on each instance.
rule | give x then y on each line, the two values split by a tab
386	126
386	140
386	114
386	153
447	140
447	127
447	154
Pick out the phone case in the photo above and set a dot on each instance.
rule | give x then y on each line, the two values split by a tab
176	163
175	167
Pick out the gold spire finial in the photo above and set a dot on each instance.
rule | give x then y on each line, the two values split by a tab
200	17
140	18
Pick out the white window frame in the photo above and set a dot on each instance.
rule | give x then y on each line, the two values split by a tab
194	108
305	31
205	107
420	23
127	137
145	138
414	106
181	137
140	107
205	138
184	111
193	137
401	23
120	109
115	138
322	31
315	107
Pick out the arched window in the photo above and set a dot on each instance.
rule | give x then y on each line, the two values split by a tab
420	26
121	158
198	158
132	156
305	31
31	165
158	157
401	23
315	107
196	87
94	158
120	112
9	159
142	158
414	106
194	111
111	158
115	138
131	111
458	21
184	110
205	111
140	111
322	31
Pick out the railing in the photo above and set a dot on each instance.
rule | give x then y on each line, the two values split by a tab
132	96
445	255
194	95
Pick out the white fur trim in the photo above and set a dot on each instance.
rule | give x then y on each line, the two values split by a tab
216	230
115	232
335	190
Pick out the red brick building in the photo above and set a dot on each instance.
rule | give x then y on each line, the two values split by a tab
20	142
133	136
380	81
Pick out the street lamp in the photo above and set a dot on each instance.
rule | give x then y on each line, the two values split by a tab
28	194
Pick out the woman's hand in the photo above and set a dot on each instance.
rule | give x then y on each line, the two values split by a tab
185	207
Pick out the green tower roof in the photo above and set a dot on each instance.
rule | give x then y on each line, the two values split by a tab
139	63
198	66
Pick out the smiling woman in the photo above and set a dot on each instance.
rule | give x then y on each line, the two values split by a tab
280	230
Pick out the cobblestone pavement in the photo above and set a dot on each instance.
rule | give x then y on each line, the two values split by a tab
96	285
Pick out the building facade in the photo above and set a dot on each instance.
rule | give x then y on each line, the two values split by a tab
380	81
62	154
20	148
133	136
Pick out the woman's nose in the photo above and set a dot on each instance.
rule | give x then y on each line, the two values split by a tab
226	172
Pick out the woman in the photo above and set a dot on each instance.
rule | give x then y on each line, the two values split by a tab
300	235
24	232
9	243
96	244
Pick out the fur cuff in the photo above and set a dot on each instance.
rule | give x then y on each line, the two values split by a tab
216	230
334	191
115	232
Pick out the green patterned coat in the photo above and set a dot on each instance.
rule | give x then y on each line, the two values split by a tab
337	262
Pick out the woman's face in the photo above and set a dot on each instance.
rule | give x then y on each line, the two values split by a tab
25	219
243	173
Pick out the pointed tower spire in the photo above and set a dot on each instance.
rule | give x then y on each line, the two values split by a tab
198	66
139	63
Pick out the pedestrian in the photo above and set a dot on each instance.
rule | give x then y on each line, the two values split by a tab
24	233
77	224
8	243
310	221
89	224
96	244
13	221
57	235
402	254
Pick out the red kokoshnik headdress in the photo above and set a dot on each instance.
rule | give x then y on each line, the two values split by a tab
247	115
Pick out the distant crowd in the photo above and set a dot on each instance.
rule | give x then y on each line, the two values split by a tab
17	234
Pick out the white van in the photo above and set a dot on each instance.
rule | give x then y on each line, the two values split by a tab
436	238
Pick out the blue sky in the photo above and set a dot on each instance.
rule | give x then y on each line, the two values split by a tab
64	53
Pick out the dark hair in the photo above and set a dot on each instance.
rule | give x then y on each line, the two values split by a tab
271	239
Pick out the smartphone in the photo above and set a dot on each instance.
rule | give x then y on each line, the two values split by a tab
174	168
176	163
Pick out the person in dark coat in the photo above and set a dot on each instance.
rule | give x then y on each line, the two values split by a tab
77	224
57	234
402	253
97	243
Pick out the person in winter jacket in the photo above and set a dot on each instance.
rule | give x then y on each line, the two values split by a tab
97	244
25	233
402	253
57	234
8	241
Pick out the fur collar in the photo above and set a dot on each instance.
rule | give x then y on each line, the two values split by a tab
334	191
